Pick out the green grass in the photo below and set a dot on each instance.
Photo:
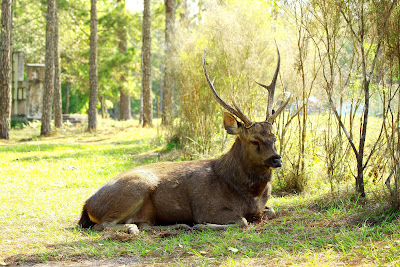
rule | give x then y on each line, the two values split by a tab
44	182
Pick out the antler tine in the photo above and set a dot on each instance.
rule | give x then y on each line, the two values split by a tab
249	123
271	87
280	109
237	112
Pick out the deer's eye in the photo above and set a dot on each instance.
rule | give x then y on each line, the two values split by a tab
257	144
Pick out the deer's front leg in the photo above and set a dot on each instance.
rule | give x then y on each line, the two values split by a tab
242	223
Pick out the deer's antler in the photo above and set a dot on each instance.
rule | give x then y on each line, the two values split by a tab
235	111
271	114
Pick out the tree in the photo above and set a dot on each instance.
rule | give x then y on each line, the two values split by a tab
170	7
49	70
5	70
125	101
360	19
391	106
66	107
146	66
92	112
360	38
58	119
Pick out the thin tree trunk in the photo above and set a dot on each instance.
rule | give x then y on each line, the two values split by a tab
49	71
184	20
146	66
67	84
5	70
92	112
141	108
58	120
102	106
170	6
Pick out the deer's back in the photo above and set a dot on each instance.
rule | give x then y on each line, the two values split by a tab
163	188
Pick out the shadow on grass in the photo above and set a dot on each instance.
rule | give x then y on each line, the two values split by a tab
96	248
290	235
84	151
374	210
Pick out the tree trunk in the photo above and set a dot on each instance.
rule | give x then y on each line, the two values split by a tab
141	108
184	20
49	71
170	6
146	66
58	120
360	176
125	106
101	97
125	100
92	112
361	147
5	70
67	84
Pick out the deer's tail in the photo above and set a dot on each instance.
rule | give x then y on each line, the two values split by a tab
85	221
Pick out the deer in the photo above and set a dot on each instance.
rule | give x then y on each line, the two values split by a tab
230	191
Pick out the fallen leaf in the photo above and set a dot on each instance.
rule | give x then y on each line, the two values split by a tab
234	250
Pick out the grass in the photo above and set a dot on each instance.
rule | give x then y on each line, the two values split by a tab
44	182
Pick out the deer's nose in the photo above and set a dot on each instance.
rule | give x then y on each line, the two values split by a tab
277	162
274	161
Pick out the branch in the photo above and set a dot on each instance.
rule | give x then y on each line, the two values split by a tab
377	141
77	24
380	41
340	122
349	23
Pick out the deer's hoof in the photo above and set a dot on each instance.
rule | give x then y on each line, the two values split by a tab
269	213
132	229
98	227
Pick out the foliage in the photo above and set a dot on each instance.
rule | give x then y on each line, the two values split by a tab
74	19
235	52
29	27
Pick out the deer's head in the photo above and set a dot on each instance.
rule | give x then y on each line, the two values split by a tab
257	138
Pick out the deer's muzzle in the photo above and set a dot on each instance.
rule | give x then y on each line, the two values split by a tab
274	162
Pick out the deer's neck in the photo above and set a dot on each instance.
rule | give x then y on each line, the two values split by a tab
239	172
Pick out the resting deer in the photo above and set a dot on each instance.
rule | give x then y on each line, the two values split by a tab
213	194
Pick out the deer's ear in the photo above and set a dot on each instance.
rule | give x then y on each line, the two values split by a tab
231	124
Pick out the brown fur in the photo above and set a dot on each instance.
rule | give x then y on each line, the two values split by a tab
214	193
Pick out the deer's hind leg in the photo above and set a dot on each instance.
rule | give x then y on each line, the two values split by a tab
141	213
119	219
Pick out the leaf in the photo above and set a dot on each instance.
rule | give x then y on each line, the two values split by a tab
234	250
